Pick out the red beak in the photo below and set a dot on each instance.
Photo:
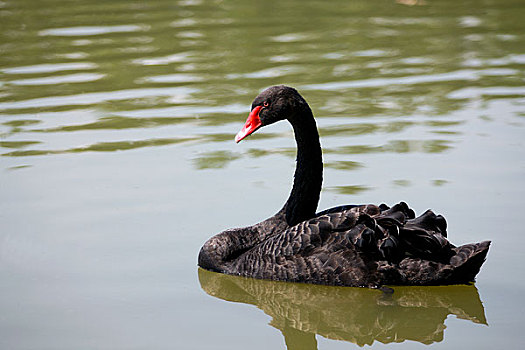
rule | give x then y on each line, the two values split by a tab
252	123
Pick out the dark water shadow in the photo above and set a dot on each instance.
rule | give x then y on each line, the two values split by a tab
357	315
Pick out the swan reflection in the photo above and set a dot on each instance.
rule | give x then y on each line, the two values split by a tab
356	315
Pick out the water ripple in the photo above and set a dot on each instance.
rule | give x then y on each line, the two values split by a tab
49	68
173	78
290	37
476	92
98	97
459	75
179	111
63	79
92	30
273	72
103	147
153	61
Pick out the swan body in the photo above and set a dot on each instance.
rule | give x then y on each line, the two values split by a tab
350	245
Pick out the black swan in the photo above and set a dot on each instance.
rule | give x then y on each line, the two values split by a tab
350	245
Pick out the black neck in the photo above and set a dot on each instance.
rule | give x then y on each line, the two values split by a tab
308	178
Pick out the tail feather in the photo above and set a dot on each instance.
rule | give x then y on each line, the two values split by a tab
467	261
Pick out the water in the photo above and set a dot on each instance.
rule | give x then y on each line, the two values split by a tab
117	162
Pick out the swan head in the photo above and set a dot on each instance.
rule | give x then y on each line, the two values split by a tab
273	104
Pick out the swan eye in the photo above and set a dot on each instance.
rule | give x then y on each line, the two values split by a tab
266	104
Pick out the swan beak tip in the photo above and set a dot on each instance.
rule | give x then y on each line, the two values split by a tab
252	124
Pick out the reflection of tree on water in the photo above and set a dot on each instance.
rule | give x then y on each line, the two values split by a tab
357	315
